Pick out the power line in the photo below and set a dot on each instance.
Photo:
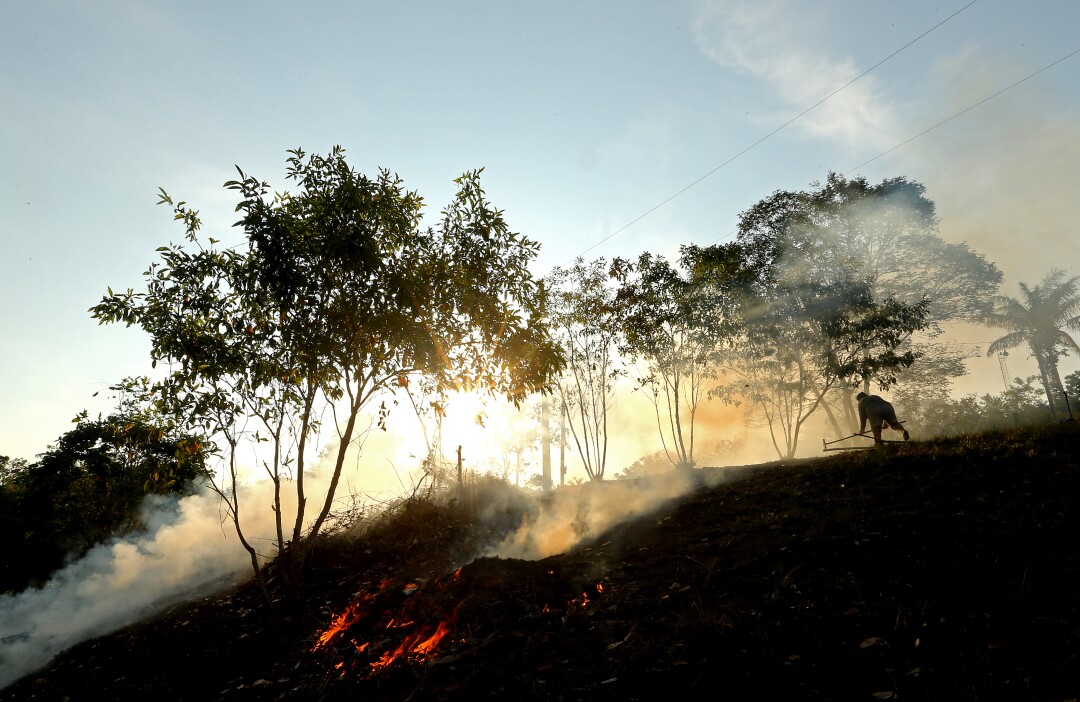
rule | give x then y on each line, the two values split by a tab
964	111
942	122
773	132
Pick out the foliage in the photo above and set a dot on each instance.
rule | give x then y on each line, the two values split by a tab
1039	319
805	341
1072	389
884	234
933	413
339	297
586	321
87	488
676	325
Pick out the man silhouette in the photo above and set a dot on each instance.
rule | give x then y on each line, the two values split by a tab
879	412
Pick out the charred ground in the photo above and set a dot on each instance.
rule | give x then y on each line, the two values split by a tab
940	570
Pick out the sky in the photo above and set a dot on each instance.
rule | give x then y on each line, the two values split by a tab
604	128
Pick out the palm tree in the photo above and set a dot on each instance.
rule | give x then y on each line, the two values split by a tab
1039	319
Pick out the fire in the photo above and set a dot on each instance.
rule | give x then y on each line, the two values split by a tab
417	642
585	600
427	646
414	646
352	614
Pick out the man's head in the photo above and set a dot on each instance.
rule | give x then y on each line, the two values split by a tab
860	396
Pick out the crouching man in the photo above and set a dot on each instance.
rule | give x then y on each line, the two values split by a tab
880	412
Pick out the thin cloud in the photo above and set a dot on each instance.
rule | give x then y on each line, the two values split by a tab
768	41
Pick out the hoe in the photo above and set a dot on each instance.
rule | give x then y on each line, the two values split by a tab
828	445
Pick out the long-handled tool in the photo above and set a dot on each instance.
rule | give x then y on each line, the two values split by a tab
828	445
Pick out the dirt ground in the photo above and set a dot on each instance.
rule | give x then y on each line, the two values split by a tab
944	570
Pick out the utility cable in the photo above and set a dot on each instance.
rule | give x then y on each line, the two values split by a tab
772	133
941	123
964	111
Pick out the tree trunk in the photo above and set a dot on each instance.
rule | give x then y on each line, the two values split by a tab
1043	372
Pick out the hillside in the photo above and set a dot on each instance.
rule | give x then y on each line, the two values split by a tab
945	570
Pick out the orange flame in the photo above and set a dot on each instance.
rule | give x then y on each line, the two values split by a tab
343	621
600	588
419	644
427	646
414	645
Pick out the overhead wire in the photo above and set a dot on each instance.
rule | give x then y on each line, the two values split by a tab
942	122
965	111
772	133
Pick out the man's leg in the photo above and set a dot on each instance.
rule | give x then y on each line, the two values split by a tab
890	419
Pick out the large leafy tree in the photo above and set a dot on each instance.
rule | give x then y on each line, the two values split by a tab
586	321
336	296
801	343
798	339
1040	318
885	234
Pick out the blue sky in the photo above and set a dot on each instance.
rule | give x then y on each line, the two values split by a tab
585	115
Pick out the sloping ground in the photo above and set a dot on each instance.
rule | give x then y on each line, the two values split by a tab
930	571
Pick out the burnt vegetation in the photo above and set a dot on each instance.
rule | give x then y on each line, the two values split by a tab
944	569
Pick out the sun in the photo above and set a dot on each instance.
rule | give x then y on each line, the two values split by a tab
495	437
474	421
470	422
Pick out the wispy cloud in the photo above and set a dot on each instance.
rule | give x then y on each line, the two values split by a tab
771	41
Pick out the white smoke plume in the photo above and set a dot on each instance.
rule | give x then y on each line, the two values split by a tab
184	552
188	549
579	512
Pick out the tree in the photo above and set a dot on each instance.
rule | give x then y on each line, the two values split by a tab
339	298
1039	318
676	324
884	234
586	321
1072	389
802	342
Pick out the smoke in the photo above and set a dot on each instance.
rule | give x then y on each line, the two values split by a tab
187	549
183	553
1005	179
579	512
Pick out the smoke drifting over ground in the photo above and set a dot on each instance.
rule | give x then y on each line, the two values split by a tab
184	552
188	549
578	512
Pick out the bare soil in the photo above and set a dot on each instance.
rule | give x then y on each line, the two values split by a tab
946	570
